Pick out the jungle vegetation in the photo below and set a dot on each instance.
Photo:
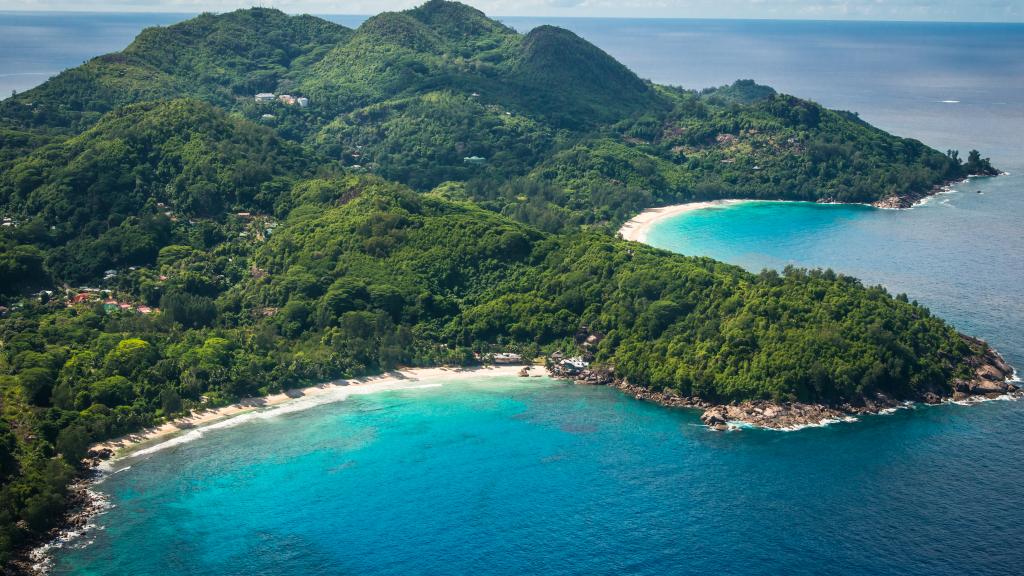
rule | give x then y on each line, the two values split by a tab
452	188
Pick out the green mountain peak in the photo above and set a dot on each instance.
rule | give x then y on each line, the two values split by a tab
445	186
457	21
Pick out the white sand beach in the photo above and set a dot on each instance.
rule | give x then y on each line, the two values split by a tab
298	399
639	226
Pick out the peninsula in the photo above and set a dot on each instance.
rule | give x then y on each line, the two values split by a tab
209	215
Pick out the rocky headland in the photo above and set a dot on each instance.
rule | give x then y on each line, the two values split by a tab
84	504
992	378
909	200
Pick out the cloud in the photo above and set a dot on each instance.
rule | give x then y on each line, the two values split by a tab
952	10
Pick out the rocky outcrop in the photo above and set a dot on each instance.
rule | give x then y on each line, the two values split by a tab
770	414
83	505
991	374
667	397
601	376
907	200
991	379
97	456
897	202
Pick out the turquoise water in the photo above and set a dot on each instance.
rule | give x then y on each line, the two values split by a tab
961	254
532	476
515	476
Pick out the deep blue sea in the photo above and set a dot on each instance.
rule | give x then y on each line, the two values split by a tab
513	476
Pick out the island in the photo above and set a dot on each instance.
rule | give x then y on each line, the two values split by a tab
247	203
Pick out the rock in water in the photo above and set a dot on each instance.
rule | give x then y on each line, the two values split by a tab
714	417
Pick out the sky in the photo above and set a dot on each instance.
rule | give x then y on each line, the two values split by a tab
930	10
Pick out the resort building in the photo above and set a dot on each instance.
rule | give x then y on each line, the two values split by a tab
574	365
265	97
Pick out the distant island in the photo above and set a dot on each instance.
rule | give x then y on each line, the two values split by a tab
250	202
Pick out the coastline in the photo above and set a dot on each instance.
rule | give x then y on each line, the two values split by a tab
637	228
907	201
993	379
288	401
793	416
87	503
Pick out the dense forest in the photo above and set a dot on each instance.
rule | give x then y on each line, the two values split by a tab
451	187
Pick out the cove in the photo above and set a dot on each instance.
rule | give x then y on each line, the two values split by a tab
959	253
512	476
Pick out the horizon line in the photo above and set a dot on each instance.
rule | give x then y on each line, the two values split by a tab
499	16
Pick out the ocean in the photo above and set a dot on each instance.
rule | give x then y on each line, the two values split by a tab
514	476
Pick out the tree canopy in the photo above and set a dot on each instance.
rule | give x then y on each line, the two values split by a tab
450	187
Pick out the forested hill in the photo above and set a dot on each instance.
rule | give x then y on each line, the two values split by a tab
565	135
215	57
99	200
451	187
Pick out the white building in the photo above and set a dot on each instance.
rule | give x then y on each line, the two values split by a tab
507	358
574	364
265	97
302	101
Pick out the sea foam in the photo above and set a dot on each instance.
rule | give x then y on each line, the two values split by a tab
338	394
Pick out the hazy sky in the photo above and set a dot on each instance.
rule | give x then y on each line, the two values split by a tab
951	10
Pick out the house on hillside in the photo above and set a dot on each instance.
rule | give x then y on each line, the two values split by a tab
287	99
265	97
474	160
302	101
81	298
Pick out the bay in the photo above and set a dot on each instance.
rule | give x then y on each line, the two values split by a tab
535	476
506	476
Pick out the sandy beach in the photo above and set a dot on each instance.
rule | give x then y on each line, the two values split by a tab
298	399
638	227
